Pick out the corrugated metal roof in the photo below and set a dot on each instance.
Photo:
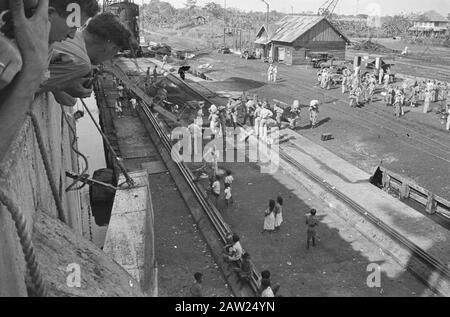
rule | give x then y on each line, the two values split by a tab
290	28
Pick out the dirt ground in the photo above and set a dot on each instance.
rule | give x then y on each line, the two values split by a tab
416	146
338	264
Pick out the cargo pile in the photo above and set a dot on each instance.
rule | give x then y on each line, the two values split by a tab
373	47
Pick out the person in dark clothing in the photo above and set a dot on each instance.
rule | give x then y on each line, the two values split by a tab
245	270
197	289
182	73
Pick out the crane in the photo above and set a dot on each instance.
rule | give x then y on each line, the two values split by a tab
328	8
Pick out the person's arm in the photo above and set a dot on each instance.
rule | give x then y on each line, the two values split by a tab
32	37
10	61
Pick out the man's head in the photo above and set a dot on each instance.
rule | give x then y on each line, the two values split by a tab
198	277
235	238
313	212
104	36
265	275
67	15
265	284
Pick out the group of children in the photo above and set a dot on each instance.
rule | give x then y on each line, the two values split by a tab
273	216
215	189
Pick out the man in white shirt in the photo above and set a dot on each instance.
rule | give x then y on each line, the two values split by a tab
266	114
235	252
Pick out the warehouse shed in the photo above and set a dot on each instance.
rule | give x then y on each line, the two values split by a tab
295	38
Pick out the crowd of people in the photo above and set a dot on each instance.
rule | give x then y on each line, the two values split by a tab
259	115
409	93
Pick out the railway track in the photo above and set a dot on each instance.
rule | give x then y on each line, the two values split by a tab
412	135
406	132
417	253
213	215
432	263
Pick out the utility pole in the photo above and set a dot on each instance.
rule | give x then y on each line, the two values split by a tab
225	22
267	24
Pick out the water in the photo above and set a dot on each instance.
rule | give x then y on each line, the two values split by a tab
90	143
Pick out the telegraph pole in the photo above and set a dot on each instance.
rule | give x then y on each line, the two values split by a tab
267	24
225	22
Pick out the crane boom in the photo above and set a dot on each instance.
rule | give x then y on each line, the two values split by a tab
328	8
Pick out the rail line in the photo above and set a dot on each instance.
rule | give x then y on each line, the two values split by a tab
418	253
216	219
434	148
426	140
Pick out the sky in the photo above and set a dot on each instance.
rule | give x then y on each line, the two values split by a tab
386	7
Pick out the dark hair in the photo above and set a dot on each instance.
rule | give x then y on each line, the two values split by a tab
246	256
265	283
280	200
89	7
236	238
313	212
227	185
265	274
272	205
109	28
229	172
198	276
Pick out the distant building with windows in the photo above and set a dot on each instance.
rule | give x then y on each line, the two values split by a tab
430	23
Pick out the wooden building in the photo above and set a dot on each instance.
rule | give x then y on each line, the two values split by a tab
430	24
292	40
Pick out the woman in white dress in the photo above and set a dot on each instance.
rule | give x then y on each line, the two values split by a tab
269	217
278	213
